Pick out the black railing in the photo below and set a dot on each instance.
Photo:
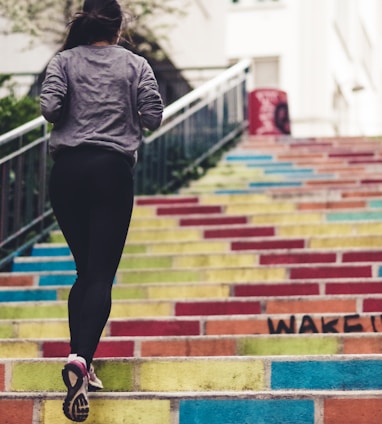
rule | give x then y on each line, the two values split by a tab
193	128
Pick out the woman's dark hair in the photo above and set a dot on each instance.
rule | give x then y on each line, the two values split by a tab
99	20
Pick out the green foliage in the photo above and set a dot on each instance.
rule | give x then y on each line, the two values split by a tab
47	19
15	111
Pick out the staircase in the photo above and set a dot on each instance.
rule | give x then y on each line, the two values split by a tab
252	296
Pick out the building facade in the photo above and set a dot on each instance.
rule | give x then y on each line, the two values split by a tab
326	54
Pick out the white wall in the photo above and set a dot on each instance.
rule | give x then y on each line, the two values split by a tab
314	60
19	53
197	38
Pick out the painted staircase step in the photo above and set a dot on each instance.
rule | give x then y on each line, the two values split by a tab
221	200
290	322
201	346
239	259
262	407
53	252
244	274
166	291
253	218
362	223
215	246
350	304
256	373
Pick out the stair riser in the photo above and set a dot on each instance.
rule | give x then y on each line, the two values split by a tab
228	410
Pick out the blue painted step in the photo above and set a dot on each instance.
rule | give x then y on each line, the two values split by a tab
28	266
27	295
246	411
50	251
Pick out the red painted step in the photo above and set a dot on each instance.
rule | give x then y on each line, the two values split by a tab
217	308
365	161
189	210
371	181
297	258
247	290
372	305
106	349
166	201
16	280
344	204
240	232
154	328
223	220
268	244
353	288
313	144
367	193
362	256
331	272
351	154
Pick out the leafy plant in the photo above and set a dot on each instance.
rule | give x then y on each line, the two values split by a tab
47	19
15	111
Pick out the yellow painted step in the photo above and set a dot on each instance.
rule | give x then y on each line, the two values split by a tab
345	242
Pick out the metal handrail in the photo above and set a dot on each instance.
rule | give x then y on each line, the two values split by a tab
240	69
193	128
23	129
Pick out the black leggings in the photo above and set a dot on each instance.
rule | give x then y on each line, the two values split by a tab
91	192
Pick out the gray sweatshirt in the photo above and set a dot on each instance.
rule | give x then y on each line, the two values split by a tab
102	96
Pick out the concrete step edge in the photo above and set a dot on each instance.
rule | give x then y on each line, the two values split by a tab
261	395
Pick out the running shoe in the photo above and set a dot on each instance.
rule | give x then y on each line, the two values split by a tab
76	377
94	382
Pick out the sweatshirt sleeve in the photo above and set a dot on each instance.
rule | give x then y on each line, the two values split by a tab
150	105
54	91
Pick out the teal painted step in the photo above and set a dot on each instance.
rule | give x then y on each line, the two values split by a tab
282	171
354	216
244	411
303	177
267	165
56	280
266	184
327	375
237	191
27	295
376	203
50	251
35	266
245	158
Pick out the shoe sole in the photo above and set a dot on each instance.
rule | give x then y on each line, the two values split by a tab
76	404
94	387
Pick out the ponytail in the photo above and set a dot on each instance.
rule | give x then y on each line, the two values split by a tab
100	20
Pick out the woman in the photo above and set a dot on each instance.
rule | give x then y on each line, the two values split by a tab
99	96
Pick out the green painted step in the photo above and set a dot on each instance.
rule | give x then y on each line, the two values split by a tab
253	373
